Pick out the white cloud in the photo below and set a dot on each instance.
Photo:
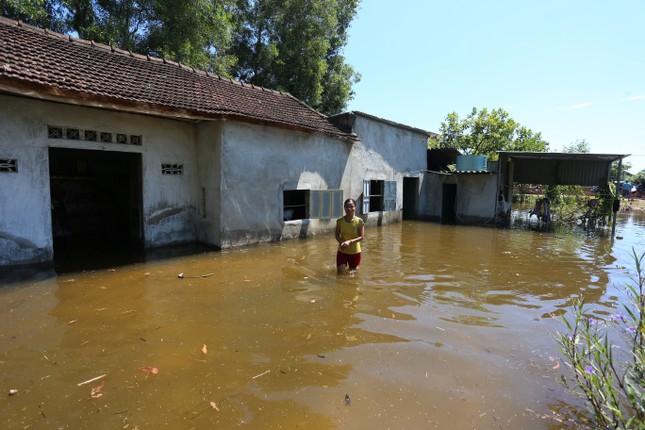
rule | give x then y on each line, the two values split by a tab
637	97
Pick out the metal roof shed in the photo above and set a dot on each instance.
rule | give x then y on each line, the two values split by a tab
552	168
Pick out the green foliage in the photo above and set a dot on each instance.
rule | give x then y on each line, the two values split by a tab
607	358
577	147
485	132
197	33
288	45
41	13
295	46
624	171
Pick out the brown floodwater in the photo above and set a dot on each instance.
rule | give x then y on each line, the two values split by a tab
444	327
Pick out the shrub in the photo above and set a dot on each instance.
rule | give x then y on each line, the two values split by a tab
607	358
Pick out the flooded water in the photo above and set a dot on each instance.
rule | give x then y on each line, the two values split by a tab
444	327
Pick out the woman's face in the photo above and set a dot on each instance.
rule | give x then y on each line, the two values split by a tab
350	208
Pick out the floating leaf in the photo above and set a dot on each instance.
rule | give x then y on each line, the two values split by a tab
204	349
149	369
96	391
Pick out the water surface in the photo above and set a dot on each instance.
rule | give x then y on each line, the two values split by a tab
444	327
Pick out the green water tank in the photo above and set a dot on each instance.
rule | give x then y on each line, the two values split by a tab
471	163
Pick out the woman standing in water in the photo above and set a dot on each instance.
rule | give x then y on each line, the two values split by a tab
350	230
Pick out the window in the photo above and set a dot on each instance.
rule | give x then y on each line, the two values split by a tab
326	204
312	204
379	196
296	204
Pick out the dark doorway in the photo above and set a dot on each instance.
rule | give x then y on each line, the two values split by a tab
448	201
96	205
410	186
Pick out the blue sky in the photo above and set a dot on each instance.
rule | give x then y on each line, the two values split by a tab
569	69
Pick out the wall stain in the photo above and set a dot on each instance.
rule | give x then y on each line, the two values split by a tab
163	214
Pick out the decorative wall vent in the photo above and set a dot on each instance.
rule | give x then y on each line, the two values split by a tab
8	165
106	137
172	169
90	135
71	133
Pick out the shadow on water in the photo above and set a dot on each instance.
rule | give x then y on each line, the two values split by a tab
443	327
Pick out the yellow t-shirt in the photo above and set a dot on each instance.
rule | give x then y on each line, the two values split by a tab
348	231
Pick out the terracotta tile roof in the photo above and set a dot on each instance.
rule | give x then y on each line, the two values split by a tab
44	64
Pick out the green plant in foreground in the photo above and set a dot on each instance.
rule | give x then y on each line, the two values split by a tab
607	358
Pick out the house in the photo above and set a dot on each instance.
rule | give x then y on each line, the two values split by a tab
388	164
101	146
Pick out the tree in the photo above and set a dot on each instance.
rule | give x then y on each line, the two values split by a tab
577	147
295	46
197	33
40	13
485	132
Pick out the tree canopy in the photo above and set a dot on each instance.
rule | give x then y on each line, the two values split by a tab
485	132
288	45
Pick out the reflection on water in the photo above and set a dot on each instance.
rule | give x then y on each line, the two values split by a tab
444	327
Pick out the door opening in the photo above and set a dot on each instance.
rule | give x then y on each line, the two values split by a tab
96	206
448	201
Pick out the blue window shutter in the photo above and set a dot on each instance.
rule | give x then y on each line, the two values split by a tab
366	196
337	204
314	204
389	197
325	204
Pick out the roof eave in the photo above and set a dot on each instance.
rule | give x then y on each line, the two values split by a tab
77	98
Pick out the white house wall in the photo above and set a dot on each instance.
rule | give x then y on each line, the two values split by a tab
25	206
476	197
258	164
209	150
387	152
169	201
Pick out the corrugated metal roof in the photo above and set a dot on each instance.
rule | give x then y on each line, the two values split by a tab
551	168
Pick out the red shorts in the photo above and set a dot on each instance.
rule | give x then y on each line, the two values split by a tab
351	260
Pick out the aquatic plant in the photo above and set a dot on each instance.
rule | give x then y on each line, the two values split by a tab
606	358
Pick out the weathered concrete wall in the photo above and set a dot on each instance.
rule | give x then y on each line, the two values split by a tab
25	204
430	196
169	201
209	150
258	164
476	198
389	152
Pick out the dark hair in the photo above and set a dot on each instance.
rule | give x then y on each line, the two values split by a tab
349	200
